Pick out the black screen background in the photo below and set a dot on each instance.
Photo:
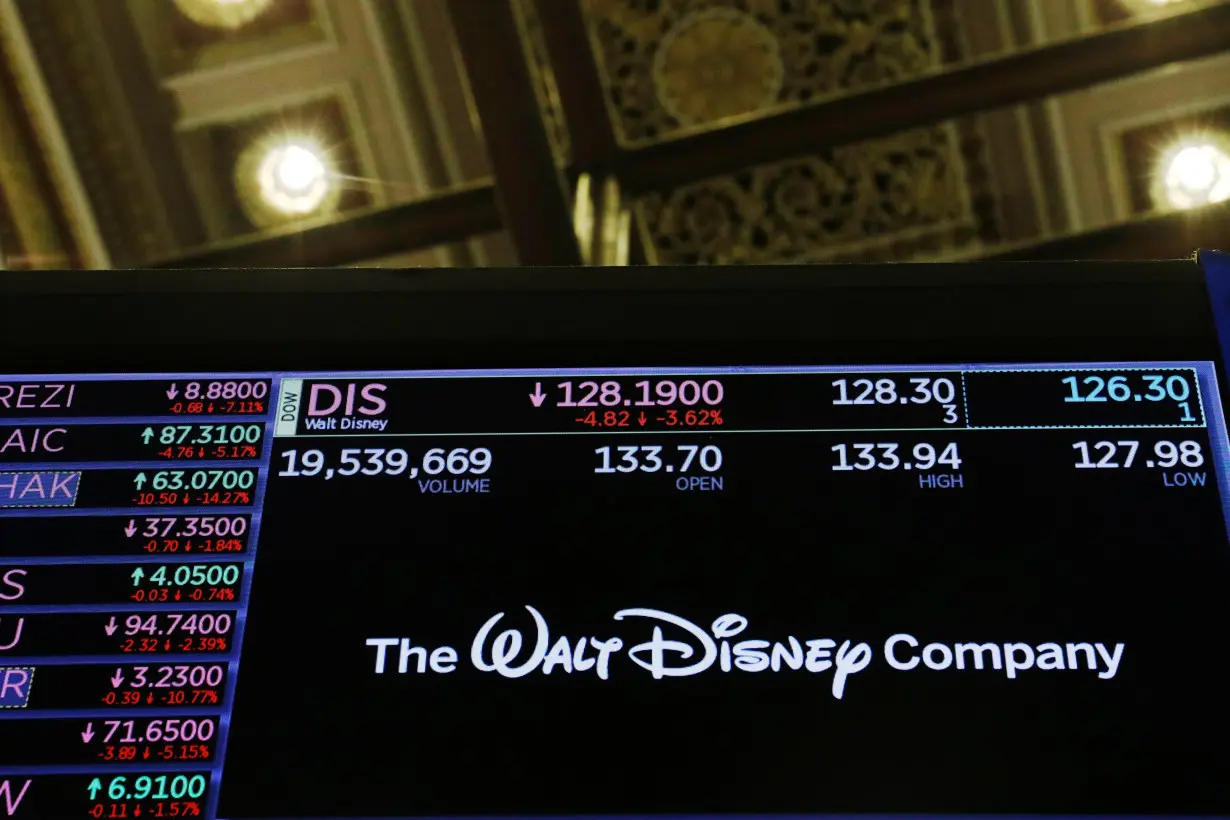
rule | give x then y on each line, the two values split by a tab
1061	312
1023	553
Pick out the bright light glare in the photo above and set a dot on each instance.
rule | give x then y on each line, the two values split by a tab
227	14
1194	173
294	177
1150	7
299	169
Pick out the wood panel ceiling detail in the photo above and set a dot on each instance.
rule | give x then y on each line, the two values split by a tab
739	130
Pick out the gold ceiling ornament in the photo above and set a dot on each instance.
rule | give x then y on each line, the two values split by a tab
891	198
282	178
717	63
659	69
224	14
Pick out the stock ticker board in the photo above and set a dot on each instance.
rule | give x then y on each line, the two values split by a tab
548	592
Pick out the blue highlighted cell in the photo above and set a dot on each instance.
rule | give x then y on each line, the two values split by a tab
39	488
15	684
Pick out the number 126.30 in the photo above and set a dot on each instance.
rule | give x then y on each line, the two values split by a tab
1154	388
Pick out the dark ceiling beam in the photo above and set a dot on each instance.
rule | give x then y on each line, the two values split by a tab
152	125
1174	235
977	86
531	191
583	98
453	216
35	230
582	95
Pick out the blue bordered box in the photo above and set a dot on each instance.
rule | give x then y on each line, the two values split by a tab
39	488
15	685
1216	266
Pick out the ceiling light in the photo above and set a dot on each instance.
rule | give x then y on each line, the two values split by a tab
1150	6
1194	171
285	177
227	14
294	178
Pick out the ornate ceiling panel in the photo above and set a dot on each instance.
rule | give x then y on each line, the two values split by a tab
915	194
171	111
684	63
674	64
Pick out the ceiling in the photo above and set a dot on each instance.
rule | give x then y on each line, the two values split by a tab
143	132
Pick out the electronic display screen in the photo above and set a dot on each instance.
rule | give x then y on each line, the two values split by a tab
929	588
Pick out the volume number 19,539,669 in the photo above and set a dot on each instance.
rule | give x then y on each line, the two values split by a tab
373	461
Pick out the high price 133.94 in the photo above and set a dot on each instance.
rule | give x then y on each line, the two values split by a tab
892	456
